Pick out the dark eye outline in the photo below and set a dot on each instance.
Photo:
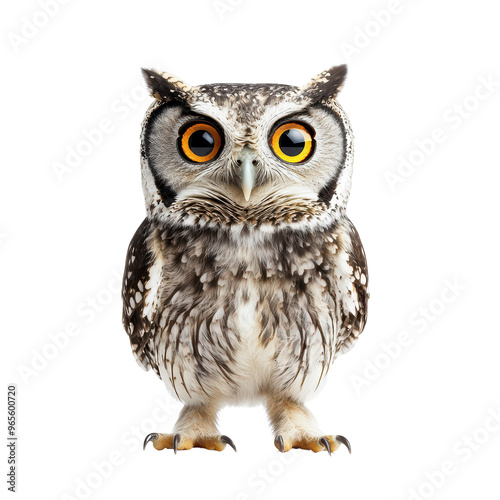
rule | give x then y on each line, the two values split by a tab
185	133
308	134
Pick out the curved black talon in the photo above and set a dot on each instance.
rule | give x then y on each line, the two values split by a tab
326	444
281	443
177	439
150	437
229	441
344	441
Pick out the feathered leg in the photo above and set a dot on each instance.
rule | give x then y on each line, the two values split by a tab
295	427
196	427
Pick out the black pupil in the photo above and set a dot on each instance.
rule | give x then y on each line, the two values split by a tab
292	142
201	142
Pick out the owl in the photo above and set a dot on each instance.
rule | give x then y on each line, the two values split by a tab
246	279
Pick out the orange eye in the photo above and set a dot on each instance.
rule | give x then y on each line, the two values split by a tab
292	142
200	142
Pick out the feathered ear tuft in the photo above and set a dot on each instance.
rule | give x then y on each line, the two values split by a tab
326	84
165	87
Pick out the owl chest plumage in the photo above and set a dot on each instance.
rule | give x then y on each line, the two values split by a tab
241	312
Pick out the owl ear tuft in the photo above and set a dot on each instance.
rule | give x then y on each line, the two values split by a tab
326	84
165	87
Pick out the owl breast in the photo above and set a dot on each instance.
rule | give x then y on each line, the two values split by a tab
245	313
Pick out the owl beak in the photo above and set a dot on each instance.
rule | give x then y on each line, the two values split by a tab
247	177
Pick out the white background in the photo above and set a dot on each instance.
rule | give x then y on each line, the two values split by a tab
429	406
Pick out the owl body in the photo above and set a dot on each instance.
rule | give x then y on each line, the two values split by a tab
246	279
244	312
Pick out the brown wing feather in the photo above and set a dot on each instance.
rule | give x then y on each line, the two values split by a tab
352	325
136	288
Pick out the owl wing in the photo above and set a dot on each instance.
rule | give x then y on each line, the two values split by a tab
352	279
141	293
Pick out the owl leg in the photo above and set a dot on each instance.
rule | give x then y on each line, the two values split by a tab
196	427
295	427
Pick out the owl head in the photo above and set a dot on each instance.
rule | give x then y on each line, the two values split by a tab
235	153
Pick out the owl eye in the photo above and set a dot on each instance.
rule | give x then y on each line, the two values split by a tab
199	142
293	142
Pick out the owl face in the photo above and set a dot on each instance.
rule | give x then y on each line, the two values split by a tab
247	145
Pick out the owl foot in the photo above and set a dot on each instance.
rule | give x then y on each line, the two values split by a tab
323	443
183	442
